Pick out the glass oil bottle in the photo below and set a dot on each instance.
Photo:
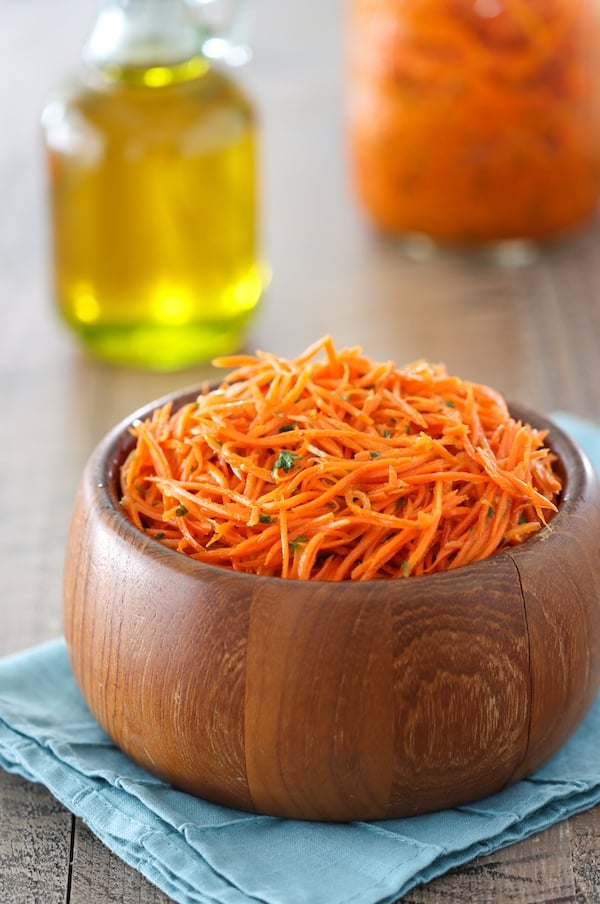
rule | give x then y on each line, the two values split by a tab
153	193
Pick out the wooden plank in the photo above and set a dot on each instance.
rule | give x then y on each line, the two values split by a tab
537	871
585	844
35	842
100	876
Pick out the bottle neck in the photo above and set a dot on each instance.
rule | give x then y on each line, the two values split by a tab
146	41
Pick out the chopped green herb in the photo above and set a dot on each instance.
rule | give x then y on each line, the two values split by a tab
181	511
491	512
297	542
285	460
374	454
450	403
387	433
265	519
285	428
405	568
159	535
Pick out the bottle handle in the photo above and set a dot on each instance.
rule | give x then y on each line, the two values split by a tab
224	28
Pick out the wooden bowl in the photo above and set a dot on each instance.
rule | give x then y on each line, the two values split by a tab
334	701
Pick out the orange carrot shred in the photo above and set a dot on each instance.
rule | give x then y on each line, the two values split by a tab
333	467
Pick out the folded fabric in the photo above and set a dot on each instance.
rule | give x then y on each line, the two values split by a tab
196	851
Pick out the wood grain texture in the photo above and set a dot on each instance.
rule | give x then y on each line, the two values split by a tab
461	663
100	876
334	701
560	582
35	833
528	873
532	331
151	690
584	839
318	657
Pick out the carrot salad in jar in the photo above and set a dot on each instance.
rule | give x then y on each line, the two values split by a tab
475	120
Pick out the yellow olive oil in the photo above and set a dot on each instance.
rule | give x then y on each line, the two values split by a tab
154	212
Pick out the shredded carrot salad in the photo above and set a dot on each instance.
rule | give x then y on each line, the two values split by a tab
468	120
333	467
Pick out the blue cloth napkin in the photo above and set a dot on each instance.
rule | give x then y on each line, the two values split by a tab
196	851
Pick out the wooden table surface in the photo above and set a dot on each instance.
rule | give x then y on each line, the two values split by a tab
532	331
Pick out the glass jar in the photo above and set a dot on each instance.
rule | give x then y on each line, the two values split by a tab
475	121
153	192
